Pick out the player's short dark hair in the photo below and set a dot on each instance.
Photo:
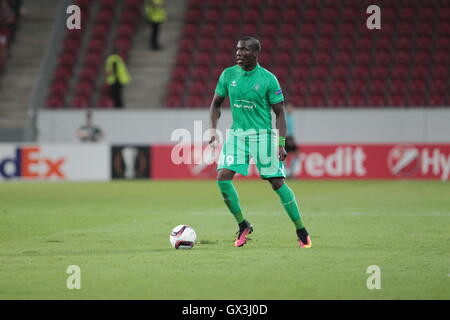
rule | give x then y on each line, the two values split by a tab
253	43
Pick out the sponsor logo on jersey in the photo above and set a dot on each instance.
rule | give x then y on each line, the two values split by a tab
244	104
278	92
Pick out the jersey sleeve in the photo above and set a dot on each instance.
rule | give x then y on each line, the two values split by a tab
274	93
221	88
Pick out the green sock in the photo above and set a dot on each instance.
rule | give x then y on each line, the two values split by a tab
289	202
231	198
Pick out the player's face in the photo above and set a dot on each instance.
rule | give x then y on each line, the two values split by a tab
245	57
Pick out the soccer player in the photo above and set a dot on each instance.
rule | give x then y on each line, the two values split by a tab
253	92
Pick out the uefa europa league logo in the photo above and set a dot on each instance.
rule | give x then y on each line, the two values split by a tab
129	155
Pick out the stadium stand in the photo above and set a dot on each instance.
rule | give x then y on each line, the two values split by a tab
78	78
9	21
321	51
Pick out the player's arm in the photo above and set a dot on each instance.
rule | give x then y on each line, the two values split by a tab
280	123
214	115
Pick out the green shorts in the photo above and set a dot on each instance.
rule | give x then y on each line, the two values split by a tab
262	148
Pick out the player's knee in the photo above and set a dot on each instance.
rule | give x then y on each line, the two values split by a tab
225	175
276	183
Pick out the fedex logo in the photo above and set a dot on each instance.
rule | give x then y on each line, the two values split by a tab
29	163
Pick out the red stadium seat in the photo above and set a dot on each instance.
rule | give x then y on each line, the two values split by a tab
422	56
399	71
83	4
212	16
316	100
176	88
80	102
210	29
129	16
206	44
187	45
380	71
419	71
437	100
376	100
336	100
104	17
398	85
282	59
100	31
71	44
396	100
105	101
357	86
232	16
317	86
251	16
300	72
290	15
200	73
288	30
196	101
59	88
299	87
340	72
93	59
416	99
174	101
223	59
342	57
318	72
123	44
62	73
88	74
325	43
337	86
67	59
438	85
323	57
108	3
356	100
418	85
180	73
271	15
378	86
268	30
440	71
311	14
55	102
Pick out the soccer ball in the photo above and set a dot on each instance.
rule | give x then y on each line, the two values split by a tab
183	237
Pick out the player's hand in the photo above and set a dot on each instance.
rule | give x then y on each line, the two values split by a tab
213	143
282	154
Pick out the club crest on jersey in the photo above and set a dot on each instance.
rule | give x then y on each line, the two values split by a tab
233	83
257	87
278	92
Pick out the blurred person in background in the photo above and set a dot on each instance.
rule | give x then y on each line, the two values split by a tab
156	15
291	146
88	132
117	76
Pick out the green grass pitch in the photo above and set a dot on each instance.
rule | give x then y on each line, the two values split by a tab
118	234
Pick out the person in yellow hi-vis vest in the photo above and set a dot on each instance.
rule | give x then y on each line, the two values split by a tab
156	15
116	77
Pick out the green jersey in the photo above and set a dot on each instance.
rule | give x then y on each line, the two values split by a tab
251	95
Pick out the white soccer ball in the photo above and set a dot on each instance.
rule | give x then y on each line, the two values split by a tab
183	237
